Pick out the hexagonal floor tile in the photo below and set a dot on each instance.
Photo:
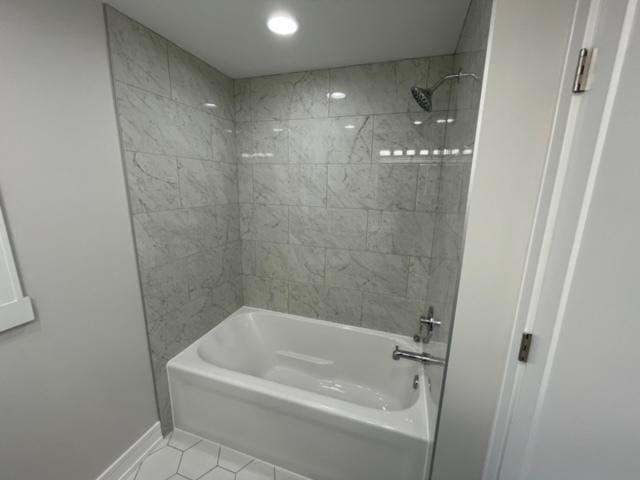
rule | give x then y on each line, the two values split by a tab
160	465
199	459
233	460
219	473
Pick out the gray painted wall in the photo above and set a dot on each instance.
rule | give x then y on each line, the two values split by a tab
75	385
181	172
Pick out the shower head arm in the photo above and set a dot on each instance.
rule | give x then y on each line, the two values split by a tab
451	76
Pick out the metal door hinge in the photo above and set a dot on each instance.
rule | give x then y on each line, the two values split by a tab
525	347
582	71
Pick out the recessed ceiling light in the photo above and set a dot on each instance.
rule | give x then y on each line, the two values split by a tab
336	95
282	24
210	105
350	126
417	122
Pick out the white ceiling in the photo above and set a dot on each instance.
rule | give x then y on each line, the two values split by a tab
232	34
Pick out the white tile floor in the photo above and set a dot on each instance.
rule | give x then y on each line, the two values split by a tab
182	456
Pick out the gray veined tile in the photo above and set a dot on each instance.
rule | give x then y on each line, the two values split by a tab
404	233
262	142
272	260
392	314
327	303
269	223
448	236
195	82
454	187
441	293
199	459
160	465
290	184
203	182
406	137
248	257
138	55
410	72
322	227
292	95
223	140
164	288
154	124
242	100
257	470
245	183
419	274
381	187
332	140
368	88
152	181
183	440
461	132
269	293
368	271
428	187
233	460
465	94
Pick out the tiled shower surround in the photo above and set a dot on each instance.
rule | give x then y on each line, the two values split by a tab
286	197
181	172
350	208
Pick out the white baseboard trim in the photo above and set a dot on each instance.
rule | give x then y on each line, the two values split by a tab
129	459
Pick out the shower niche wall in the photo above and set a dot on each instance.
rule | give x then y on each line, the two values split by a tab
327	193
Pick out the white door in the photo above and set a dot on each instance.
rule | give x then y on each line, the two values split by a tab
573	410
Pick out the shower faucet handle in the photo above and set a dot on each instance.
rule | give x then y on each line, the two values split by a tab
427	321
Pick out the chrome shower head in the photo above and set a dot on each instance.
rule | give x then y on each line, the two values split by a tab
422	97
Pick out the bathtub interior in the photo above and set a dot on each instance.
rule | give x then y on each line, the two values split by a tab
342	362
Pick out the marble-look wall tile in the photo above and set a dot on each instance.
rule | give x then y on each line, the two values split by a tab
377	87
461	133
268	223
369	272
454	187
262	142
138	55
392	314
419	273
203	182
290	184
382	187
223	140
333	140
294	262
289	96
448	236
242	100
270	293
195	83
428	187
152	182
403	233
164	288
245	183
151	123
332	304
405	135
321	227
248	257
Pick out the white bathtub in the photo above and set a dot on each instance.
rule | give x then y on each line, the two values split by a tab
318	398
